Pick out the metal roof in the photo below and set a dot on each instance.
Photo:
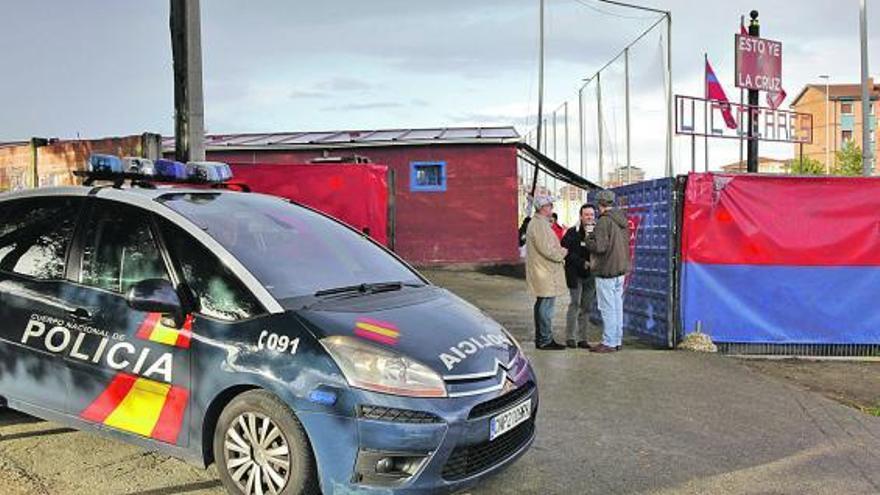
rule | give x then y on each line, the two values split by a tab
357	139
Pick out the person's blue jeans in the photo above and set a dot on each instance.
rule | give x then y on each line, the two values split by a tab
544	307
609	292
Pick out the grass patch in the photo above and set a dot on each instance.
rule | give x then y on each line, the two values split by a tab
873	411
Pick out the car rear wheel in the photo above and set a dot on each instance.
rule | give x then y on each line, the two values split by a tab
261	448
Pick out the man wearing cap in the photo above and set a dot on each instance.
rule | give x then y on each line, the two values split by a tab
545	273
609	244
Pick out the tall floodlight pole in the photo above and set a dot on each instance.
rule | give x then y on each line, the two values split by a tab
626	103
827	124
669	169
581	129
867	152
540	90
599	118
189	105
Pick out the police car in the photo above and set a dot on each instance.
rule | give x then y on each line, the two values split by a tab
244	330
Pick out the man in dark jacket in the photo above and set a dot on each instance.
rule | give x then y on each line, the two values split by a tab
580	282
609	243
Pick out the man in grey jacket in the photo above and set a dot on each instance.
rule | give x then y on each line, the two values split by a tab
609	243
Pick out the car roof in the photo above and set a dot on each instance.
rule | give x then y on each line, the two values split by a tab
134	193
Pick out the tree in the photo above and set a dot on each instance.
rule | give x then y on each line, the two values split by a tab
806	166
849	160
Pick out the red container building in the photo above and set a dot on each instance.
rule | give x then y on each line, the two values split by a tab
455	190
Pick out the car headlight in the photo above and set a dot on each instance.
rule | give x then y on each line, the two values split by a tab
381	370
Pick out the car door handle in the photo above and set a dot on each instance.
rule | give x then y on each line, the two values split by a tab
80	314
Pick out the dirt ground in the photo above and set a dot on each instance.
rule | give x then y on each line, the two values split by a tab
856	384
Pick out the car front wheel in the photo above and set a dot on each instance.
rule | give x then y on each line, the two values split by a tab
261	448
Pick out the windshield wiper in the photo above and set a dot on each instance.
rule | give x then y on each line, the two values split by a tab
362	289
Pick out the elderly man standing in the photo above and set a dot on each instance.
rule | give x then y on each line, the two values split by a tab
545	273
609	244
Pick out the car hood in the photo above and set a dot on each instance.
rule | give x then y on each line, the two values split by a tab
428	324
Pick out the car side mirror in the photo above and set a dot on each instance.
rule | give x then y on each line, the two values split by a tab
156	296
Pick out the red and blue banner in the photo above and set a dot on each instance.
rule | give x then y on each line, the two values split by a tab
781	259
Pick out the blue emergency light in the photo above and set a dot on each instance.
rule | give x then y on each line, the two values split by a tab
105	163
209	171
170	169
144	171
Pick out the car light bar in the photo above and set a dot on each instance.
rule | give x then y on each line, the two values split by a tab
105	164
110	167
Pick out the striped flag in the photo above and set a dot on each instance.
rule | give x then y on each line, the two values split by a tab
377	331
155	330
715	92
141	406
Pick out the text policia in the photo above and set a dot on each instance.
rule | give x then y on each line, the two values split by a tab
58	338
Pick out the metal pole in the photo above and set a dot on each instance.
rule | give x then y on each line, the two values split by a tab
706	109
752	166
540	89
626	103
554	137
669	169
565	131
599	113
867	152
827	126
581	129
742	22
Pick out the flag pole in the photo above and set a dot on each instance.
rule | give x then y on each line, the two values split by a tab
742	22
707	108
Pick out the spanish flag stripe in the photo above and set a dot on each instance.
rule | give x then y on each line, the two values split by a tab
139	411
185	334
377	323
375	336
147	326
171	418
101	407
375	329
163	334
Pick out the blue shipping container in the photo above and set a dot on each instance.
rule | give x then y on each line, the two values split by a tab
649	295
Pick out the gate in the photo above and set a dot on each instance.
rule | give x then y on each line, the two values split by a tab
649	302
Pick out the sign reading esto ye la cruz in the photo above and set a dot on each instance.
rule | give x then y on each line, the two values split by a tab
758	63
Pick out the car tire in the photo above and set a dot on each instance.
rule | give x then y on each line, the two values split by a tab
280	458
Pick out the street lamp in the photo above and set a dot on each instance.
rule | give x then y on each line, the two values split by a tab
827	128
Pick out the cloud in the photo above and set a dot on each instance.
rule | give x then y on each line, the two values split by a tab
298	93
379	105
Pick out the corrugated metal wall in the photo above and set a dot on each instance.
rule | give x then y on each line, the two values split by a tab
55	161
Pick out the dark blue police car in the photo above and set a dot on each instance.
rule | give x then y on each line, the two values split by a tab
243	330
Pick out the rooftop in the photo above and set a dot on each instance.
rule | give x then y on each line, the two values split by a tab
358	138
841	91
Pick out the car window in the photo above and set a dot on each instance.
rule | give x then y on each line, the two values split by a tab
219	293
119	249
35	235
291	250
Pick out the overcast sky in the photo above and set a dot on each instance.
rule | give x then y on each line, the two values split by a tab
99	68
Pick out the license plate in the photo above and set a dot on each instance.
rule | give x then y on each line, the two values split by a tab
508	420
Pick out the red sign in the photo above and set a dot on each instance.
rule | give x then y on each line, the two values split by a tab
633	219
758	63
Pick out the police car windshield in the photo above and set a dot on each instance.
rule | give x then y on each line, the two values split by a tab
292	251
